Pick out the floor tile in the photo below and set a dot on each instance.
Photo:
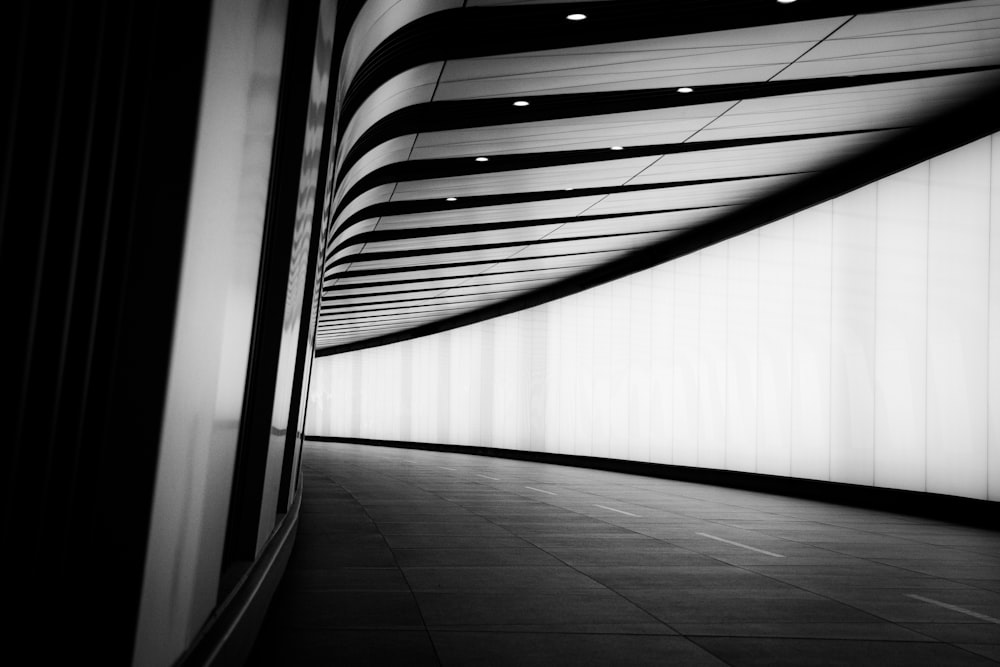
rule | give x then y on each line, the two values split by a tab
766	652
399	561
878	630
547	650
345	579
473	557
959	633
715	605
456	542
675	576
308	648
347	609
528	608
552	579
478	527
991	651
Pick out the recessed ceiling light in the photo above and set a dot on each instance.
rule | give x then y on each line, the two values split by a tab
451	199
785	2
576	17
482	159
522	103
617	148
685	89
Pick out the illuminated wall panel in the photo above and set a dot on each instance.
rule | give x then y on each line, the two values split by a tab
640	379
577	359
742	287
993	452
404	417
487	370
600	363
506	418
901	330
811	330
857	341
391	361
774	349
853	337
687	283
712	358
423	417
465	383
957	302
617	407
443	405
661	363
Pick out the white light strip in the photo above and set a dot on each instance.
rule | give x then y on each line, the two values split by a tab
720	539
961	610
612	509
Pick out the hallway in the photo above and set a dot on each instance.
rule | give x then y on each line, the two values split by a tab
414	557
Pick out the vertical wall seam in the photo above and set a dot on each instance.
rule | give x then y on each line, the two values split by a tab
791	358
697	375
756	439
673	361
875	357
725	360
829	411
697	364
989	307
927	324
628	358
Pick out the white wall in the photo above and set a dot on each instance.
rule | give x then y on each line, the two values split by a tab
857	341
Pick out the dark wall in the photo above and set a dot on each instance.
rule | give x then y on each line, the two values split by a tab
278	348
99	137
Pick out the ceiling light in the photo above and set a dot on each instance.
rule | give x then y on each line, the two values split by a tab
482	159
617	148
451	199
576	17
785	2
568	189
522	103
685	89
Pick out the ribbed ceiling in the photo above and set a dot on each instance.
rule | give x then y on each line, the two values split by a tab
647	124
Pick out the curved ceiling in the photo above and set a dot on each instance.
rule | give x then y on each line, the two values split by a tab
495	154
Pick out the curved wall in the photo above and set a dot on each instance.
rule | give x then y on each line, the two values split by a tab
223	506
857	341
211	343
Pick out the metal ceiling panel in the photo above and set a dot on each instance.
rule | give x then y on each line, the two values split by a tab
656	126
534	210
588	175
639	134
730	56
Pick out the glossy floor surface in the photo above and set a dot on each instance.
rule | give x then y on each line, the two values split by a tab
408	557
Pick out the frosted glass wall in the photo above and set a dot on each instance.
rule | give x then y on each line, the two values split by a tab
857	341
214	321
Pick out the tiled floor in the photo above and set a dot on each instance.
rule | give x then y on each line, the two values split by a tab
407	557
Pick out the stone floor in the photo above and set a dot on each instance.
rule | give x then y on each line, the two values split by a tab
408	557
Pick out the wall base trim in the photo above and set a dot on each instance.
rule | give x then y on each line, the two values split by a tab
229	634
954	509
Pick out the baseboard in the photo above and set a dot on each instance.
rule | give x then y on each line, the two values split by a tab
229	635
954	509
